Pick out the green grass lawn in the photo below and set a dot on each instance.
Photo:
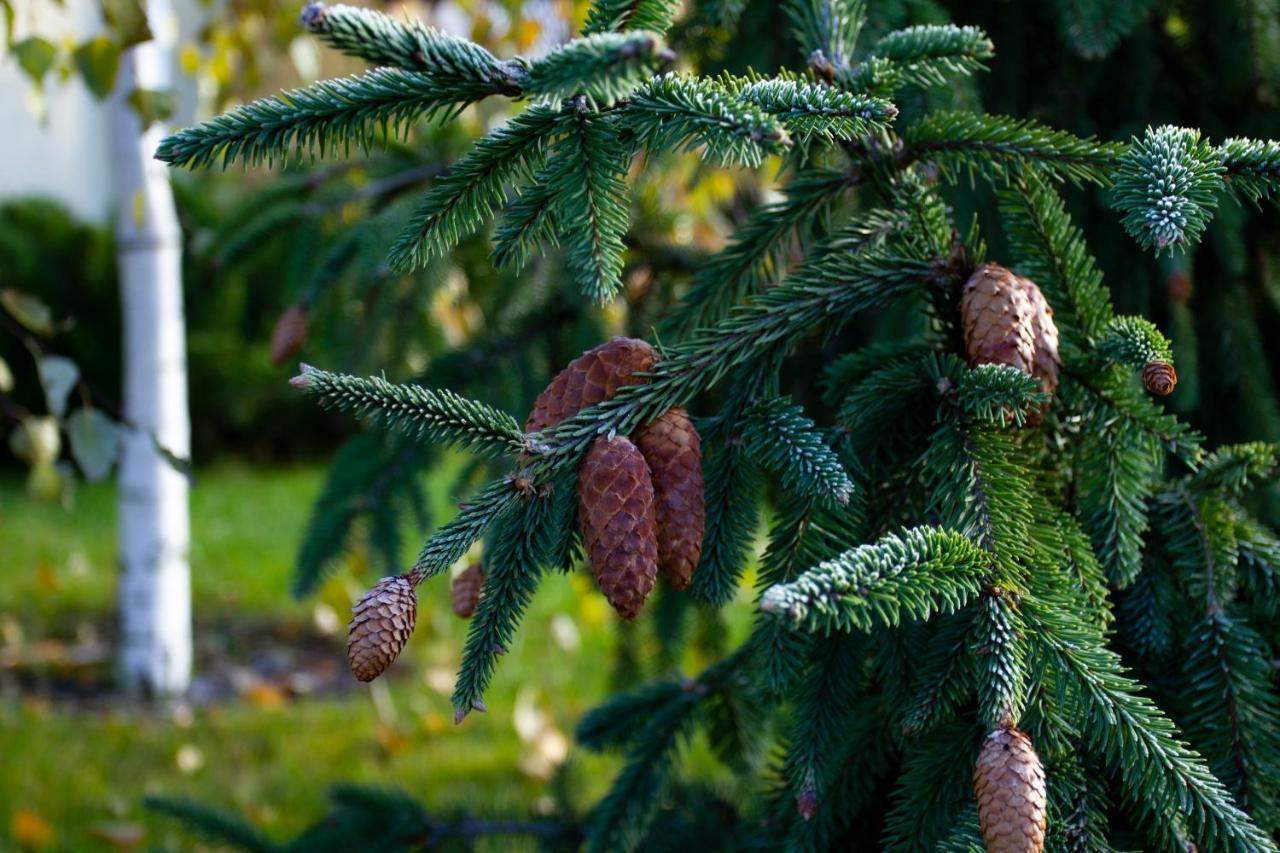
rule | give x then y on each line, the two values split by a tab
74	775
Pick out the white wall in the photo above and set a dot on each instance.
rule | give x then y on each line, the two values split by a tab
68	154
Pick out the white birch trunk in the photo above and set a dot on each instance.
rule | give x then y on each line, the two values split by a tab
154	527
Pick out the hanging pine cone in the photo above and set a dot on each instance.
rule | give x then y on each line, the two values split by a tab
1007	321
1008	780
289	334
616	510
592	377
381	623
673	451
466	590
1159	377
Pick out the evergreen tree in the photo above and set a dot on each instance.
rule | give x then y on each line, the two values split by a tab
1006	597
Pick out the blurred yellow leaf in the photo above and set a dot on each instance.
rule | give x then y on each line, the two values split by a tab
46	578
527	32
434	723
265	695
594	609
44	482
33	314
392	741
29	829
189	59
36	441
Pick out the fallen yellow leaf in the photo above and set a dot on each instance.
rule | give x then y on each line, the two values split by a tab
29	829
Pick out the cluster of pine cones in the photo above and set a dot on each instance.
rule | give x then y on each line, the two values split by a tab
640	505
640	499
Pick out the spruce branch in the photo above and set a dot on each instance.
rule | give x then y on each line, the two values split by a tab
833	291
823	704
1120	723
381	40
1233	468
925	55
463	200
783	440
758	248
733	484
934	790
455	538
994	393
805	532
911	576
1002	660
603	67
585	177
618	15
827	28
675	112
1118	463
811	110
1234	716
1167	185
880	402
980	486
1252	167
620	819
513	568
618	721
529	222
1095	27
1134	342
946	677
215	825
321	119
964	143
433	415
1051	251
373	477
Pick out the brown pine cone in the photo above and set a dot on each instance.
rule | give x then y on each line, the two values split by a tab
1007	321
616	510
1008	780
381	623
466	590
673	450
1159	377
592	377
289	334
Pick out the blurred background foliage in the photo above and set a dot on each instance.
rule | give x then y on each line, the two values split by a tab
312	241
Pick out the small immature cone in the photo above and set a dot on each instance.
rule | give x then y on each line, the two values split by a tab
1007	321
592	377
1159	377
1008	781
466	590
673	451
289	334
616	510
381	623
